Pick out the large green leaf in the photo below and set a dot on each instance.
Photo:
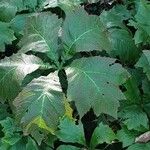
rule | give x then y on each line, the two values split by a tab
6	35
40	104
144	62
13	70
70	132
94	82
82	32
102	134
41	35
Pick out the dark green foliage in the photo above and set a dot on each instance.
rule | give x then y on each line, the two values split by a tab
70	80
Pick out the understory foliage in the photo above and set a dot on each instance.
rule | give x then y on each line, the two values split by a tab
74	74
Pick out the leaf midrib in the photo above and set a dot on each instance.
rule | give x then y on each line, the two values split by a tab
80	36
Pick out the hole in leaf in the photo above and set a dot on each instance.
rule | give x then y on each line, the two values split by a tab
122	88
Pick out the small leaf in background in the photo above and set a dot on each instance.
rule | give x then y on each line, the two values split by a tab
127	137
10	131
123	46
141	23
144	62
134	118
6	35
7	10
70	132
31	145
102	134
37	134
132	93
68	147
3	111
115	17
122	43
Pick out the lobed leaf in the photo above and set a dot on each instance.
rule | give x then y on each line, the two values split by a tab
82	32
41	35
40	103
94	83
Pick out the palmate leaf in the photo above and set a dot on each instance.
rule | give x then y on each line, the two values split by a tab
12	72
41	35
94	82
6	35
144	62
82	32
40	103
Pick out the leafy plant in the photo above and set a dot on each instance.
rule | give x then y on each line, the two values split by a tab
70	80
